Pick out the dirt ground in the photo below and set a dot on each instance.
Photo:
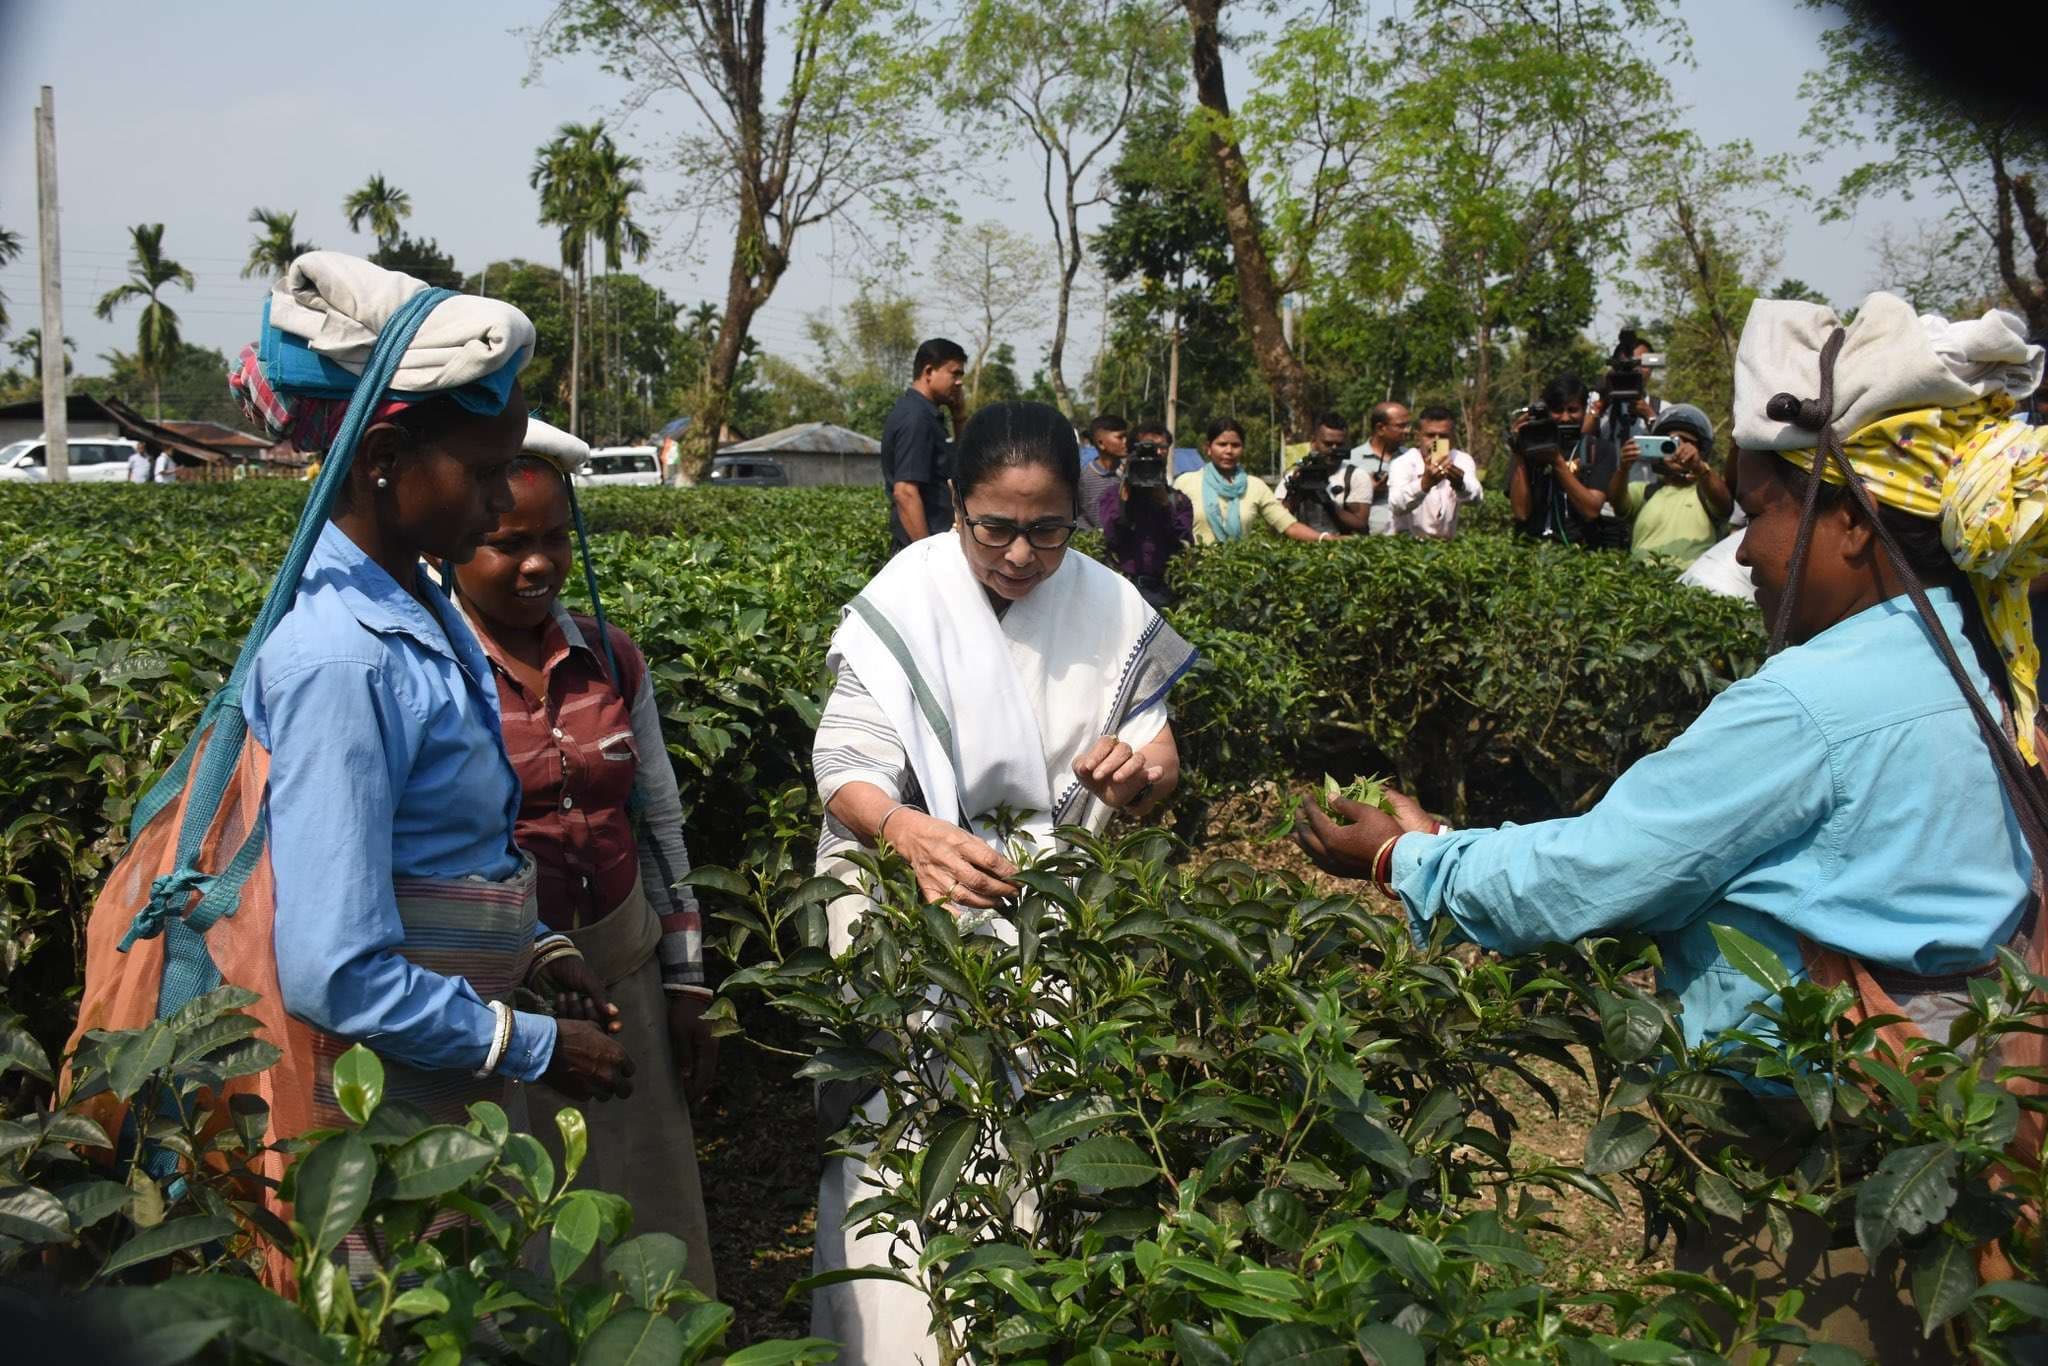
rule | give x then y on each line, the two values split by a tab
758	1147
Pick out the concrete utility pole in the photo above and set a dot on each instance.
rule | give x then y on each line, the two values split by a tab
56	450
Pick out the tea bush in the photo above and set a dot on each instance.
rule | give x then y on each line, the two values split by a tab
1260	1124
181	1190
1495	677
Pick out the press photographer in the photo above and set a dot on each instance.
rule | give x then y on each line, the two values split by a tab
1679	513
1563	468
1144	520
1324	490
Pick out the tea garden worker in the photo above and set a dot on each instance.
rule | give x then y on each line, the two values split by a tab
1852	805
600	814
1678	514
405	916
1228	501
981	670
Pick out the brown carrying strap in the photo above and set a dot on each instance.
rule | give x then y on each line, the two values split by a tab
2022	782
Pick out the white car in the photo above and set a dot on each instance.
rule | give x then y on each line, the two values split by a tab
94	460
620	465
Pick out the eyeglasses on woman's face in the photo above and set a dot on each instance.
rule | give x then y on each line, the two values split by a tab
998	533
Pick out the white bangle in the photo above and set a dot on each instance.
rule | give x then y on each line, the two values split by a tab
501	1035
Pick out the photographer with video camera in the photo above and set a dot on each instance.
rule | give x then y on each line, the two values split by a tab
1324	490
1562	469
1682	510
1144	520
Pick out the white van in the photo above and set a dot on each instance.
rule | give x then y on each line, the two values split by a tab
94	460
620	465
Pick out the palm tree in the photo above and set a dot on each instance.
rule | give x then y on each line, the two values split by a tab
562	173
382	205
10	247
613	183
149	270
272	250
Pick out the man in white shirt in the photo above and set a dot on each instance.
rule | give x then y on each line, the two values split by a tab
1429	482
1386	432
1323	490
166	468
138	465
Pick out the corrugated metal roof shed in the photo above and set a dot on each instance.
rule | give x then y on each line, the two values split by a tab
807	438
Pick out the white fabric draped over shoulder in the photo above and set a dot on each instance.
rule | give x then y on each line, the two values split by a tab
338	305
992	712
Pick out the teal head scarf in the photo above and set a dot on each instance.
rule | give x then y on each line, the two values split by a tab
1220	500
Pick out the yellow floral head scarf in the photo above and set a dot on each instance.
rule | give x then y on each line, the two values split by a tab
1986	477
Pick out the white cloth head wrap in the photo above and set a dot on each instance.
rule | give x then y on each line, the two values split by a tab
1891	362
337	304
565	452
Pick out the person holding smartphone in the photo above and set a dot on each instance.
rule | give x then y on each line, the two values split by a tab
1430	481
1681	511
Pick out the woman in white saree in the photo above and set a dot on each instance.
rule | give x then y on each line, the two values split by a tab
983	668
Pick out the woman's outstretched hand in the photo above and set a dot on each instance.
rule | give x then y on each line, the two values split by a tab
1346	847
951	865
1117	774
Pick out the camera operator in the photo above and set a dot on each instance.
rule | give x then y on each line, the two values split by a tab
1099	470
1386	428
1144	520
1562	470
1680	513
1430	480
1326	491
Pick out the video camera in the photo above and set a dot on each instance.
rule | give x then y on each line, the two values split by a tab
1540	437
1145	467
1313	471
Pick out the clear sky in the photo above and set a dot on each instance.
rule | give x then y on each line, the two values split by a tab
191	113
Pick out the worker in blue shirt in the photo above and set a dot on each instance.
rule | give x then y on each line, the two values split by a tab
405	916
1858	805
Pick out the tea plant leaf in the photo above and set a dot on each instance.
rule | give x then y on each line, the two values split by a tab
790	1352
2025	1296
435	1162
173	1235
574	1235
1618	1142
1280	1218
1105	1162
1944	1279
1756	962
136	1056
1197	1348
1294	1344
1911	1189
34	1216
358	1083
88	1202
332	1185
634	1337
1386	1345
648	1268
944	1160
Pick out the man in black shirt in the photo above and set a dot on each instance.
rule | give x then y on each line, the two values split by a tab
917	460
1565	496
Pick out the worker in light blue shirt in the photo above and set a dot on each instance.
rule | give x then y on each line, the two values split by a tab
1845	799
405	917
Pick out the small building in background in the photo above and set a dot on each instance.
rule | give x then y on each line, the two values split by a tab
817	453
83	417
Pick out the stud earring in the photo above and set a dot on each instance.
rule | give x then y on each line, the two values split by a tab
382	482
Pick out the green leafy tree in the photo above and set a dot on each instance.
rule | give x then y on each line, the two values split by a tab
587	187
191	384
380	204
847	126
615	183
867	356
1980	152
1062	78
156	335
10	248
24	379
1468	151
541	292
273	249
1708	248
419	257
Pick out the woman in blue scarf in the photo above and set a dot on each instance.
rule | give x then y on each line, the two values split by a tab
1227	499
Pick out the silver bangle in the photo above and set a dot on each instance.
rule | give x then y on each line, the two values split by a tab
501	1035
882	825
